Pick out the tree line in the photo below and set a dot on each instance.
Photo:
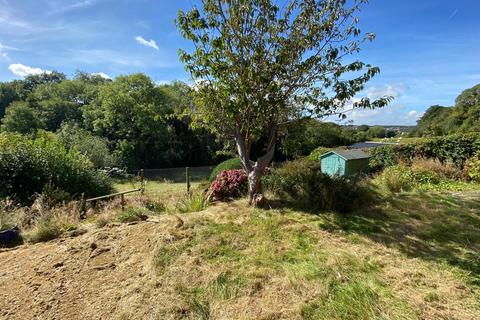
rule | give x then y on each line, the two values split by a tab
463	117
132	122
129	121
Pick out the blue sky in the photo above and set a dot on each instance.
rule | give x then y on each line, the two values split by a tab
428	50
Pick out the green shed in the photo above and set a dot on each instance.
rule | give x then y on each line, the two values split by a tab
344	162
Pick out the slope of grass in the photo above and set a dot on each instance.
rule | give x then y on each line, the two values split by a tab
413	257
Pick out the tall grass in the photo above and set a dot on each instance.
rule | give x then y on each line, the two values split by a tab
194	202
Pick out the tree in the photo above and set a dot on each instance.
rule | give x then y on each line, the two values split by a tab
376	132
7	96
19	117
305	135
258	66
131	112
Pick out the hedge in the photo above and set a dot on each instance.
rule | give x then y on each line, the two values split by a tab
457	148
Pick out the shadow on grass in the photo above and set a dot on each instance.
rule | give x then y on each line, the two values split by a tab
435	227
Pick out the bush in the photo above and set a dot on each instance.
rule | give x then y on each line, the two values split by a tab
317	153
455	149
445	170
302	183
229	164
472	168
229	184
397	178
423	174
28	166
93	147
383	157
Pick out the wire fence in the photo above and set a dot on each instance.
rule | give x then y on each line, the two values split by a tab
196	174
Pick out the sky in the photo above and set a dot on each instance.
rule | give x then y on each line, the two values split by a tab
428	50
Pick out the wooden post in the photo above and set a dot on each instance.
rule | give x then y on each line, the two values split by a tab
187	177
123	201
142	182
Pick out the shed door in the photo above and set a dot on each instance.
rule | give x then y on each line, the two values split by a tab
333	165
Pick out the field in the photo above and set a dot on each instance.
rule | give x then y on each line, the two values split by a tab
413	256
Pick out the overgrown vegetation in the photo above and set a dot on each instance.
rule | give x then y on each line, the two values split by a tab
302	183
330	266
457	148
30	166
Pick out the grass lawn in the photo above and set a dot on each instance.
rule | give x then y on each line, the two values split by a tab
413	256
403	140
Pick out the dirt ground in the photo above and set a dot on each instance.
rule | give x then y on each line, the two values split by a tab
91	276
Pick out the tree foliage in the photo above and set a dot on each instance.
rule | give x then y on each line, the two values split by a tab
463	117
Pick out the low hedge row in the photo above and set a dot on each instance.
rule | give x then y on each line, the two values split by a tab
456	148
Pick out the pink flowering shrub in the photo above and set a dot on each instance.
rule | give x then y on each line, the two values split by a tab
229	184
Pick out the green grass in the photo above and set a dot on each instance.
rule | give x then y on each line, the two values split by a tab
193	202
131	214
406	258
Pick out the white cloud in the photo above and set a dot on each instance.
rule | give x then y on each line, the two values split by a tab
74	6
162	82
150	43
101	74
453	14
22	70
3	52
394	90
413	113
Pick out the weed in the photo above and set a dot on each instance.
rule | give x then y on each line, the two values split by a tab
45	229
131	214
194	202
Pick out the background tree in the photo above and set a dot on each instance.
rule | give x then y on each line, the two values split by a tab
21	118
376	132
258	66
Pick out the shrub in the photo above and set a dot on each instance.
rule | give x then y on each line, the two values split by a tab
383	157
445	170
317	153
397	178
472	168
28	166
302	183
229	184
93	147
194	202
229	164
423	174
455	149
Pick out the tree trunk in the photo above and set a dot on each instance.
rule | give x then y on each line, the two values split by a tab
255	171
255	191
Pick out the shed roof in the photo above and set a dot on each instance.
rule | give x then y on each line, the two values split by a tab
349	154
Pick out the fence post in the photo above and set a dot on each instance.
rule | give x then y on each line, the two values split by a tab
142	181
187	177
123	201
